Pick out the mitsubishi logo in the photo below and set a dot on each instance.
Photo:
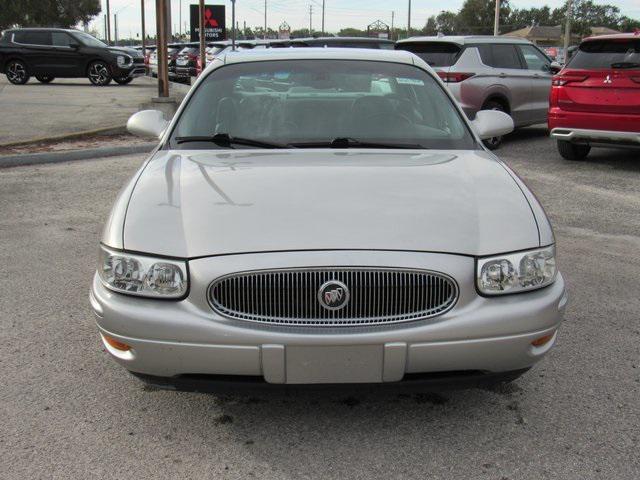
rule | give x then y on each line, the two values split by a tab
608	80
209	21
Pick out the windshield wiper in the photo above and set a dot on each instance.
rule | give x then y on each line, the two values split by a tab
347	142
226	140
625	65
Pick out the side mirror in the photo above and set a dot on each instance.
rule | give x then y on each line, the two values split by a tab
492	123
555	67
147	123
74	46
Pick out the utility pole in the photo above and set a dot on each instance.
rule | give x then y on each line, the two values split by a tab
393	18
161	44
323	8
265	19
496	19
180	18
203	53
567	30
105	28
310	19
115	28
144	34
233	22
409	21
108	23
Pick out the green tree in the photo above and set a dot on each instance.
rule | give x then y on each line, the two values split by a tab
352	32
521	18
477	16
47	13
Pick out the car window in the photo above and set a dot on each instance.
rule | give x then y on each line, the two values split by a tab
500	56
601	54
61	39
306	101
436	54
534	59
32	38
89	40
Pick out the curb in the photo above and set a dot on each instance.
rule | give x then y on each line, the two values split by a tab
58	157
113	130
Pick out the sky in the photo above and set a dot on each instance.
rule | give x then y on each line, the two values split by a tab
338	13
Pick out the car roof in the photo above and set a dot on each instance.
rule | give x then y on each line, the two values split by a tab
43	29
466	39
342	39
614	36
391	56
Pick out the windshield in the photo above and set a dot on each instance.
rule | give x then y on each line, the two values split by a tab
317	101
88	40
603	54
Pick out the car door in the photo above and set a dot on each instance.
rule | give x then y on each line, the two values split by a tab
67	61
35	46
539	74
508	76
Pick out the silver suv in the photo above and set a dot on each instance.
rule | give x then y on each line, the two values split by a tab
490	73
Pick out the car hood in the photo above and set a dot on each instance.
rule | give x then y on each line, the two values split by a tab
129	51
200	203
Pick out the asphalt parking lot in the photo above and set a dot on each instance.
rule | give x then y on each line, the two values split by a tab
69	412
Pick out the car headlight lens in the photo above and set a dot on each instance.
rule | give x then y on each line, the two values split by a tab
516	272
123	60
142	275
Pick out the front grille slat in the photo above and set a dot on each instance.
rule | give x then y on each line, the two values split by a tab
378	296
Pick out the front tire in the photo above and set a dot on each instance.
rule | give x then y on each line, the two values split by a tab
123	80
45	78
16	72
99	74
572	151
494	142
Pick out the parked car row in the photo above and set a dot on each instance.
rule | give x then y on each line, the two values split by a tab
593	101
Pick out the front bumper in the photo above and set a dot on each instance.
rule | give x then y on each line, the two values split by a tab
169	339
134	71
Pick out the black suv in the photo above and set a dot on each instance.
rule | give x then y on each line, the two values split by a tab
47	53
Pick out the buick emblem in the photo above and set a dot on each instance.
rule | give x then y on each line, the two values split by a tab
333	295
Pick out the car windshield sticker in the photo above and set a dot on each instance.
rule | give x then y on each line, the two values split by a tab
410	81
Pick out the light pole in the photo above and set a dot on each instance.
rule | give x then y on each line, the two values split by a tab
108	23
409	21
567	30
203	53
310	19
233	22
496	19
265	19
144	34
161	48
323	7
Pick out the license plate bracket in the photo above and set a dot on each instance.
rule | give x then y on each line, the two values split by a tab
334	364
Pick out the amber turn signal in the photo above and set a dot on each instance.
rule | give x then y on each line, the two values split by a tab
538	342
123	347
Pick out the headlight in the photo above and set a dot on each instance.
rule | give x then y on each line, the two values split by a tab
124	60
516	272
141	275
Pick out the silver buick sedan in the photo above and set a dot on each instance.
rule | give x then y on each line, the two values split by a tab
319	216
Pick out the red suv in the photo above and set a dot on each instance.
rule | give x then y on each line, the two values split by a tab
595	99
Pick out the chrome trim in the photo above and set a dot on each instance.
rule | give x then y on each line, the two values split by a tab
378	296
570	134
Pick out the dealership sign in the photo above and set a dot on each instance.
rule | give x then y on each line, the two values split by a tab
214	23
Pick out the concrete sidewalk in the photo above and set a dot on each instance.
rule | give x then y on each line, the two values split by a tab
69	106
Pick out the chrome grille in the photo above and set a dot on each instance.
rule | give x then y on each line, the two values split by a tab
290	297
